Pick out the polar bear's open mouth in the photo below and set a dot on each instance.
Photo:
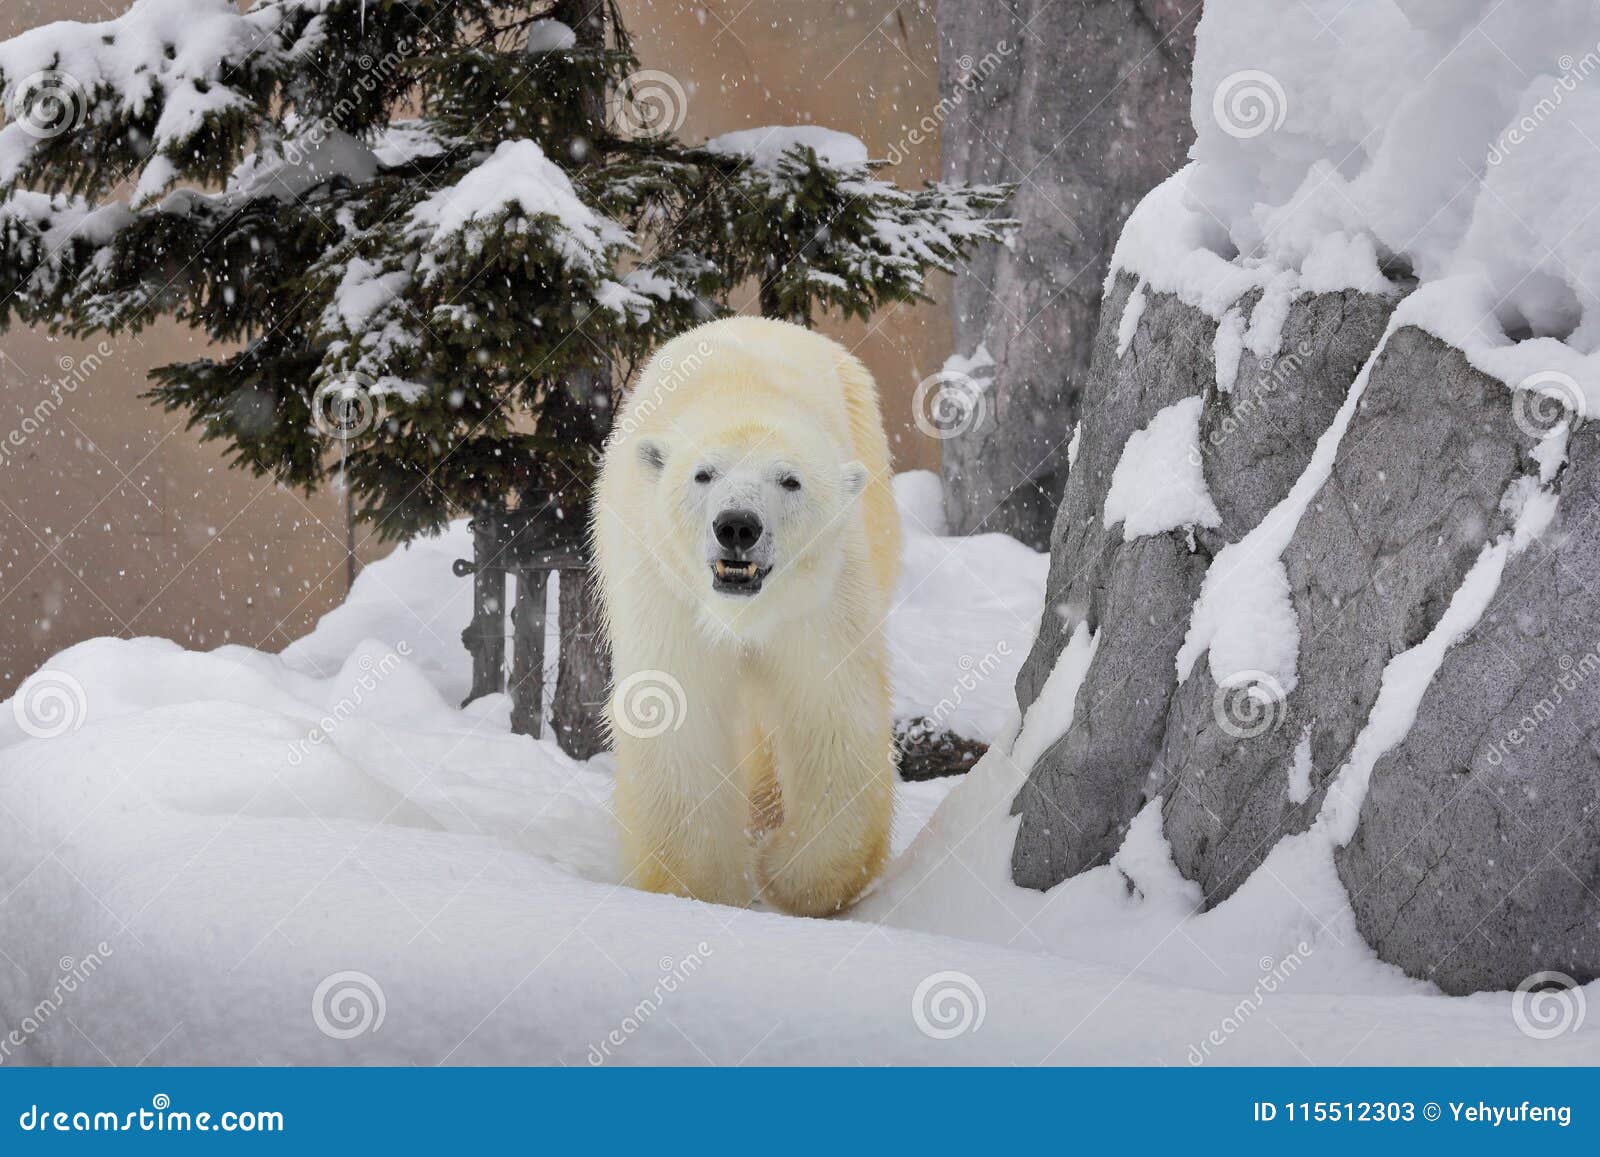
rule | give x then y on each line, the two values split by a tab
731	577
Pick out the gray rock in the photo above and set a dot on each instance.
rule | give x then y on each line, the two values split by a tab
1086	787
1256	441
1086	107
1477	860
1414	494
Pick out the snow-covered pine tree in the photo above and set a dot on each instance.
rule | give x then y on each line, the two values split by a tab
429	237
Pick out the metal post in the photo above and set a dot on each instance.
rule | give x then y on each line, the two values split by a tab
485	636
527	652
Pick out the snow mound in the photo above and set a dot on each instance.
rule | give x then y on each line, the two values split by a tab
1359	145
316	857
964	617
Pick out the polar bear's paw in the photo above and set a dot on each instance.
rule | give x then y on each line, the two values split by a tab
806	874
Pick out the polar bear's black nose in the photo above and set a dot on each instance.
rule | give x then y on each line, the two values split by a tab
737	529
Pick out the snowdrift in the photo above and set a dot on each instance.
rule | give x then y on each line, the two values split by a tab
315	857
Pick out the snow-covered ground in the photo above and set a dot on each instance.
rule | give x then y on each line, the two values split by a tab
316	857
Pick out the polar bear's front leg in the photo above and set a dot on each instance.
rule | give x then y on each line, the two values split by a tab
835	769
680	799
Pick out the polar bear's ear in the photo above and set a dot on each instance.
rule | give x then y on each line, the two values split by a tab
653	455
853	478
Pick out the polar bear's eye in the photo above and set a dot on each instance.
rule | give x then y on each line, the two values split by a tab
702	476
789	482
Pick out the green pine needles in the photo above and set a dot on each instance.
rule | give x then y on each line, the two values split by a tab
435	235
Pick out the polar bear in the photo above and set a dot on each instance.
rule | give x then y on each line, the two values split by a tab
747	547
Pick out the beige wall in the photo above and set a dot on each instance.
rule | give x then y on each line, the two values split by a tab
115	520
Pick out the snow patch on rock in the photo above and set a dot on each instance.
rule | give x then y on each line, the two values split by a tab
1159	483
1300	769
1129	323
1050	715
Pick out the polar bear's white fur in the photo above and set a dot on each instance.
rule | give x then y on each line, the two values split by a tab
747	547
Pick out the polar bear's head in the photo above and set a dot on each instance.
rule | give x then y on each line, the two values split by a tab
754	512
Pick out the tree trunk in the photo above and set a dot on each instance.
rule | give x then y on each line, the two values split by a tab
584	679
527	657
485	635
584	670
1086	106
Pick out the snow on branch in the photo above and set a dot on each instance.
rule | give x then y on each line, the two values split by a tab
143	86
519	177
